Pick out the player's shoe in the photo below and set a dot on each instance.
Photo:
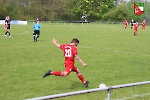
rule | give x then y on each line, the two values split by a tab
5	35
86	83
10	36
47	73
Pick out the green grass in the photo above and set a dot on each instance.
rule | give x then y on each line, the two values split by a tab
114	56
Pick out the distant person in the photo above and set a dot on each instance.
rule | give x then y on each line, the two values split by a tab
36	33
144	25
37	19
125	24
70	52
7	24
84	17
136	26
132	23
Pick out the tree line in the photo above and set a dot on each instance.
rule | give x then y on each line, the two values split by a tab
67	10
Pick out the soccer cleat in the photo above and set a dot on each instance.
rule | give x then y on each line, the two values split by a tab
5	35
47	73
86	83
10	36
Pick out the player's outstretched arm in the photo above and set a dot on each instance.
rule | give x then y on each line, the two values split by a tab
55	43
80	60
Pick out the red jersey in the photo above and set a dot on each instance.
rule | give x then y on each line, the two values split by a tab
136	25
69	52
143	23
125	22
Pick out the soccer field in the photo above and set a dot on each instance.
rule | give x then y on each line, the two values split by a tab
113	54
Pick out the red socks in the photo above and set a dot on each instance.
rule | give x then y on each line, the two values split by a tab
81	78
57	73
60	73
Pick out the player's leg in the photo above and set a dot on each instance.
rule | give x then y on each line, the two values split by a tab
62	73
9	32
38	35
6	32
132	26
80	76
125	26
144	26
59	73
34	35
134	32
56	73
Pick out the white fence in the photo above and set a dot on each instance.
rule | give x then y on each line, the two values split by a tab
89	91
15	22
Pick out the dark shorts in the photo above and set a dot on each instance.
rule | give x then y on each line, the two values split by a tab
36	32
8	27
132	24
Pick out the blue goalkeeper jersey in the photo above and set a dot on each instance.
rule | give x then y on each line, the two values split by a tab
36	26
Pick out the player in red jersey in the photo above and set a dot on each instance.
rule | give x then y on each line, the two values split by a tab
70	52
136	25
125	24
143	24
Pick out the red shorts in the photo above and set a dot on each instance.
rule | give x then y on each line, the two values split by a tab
69	67
135	29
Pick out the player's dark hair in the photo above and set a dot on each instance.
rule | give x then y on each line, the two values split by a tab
75	40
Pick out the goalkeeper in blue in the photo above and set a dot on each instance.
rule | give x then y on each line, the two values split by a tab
36	33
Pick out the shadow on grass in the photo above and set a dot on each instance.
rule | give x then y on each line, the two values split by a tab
78	86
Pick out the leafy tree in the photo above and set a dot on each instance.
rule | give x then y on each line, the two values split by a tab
120	13
3	10
94	9
62	9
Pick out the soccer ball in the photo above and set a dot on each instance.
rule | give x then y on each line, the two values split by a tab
102	85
